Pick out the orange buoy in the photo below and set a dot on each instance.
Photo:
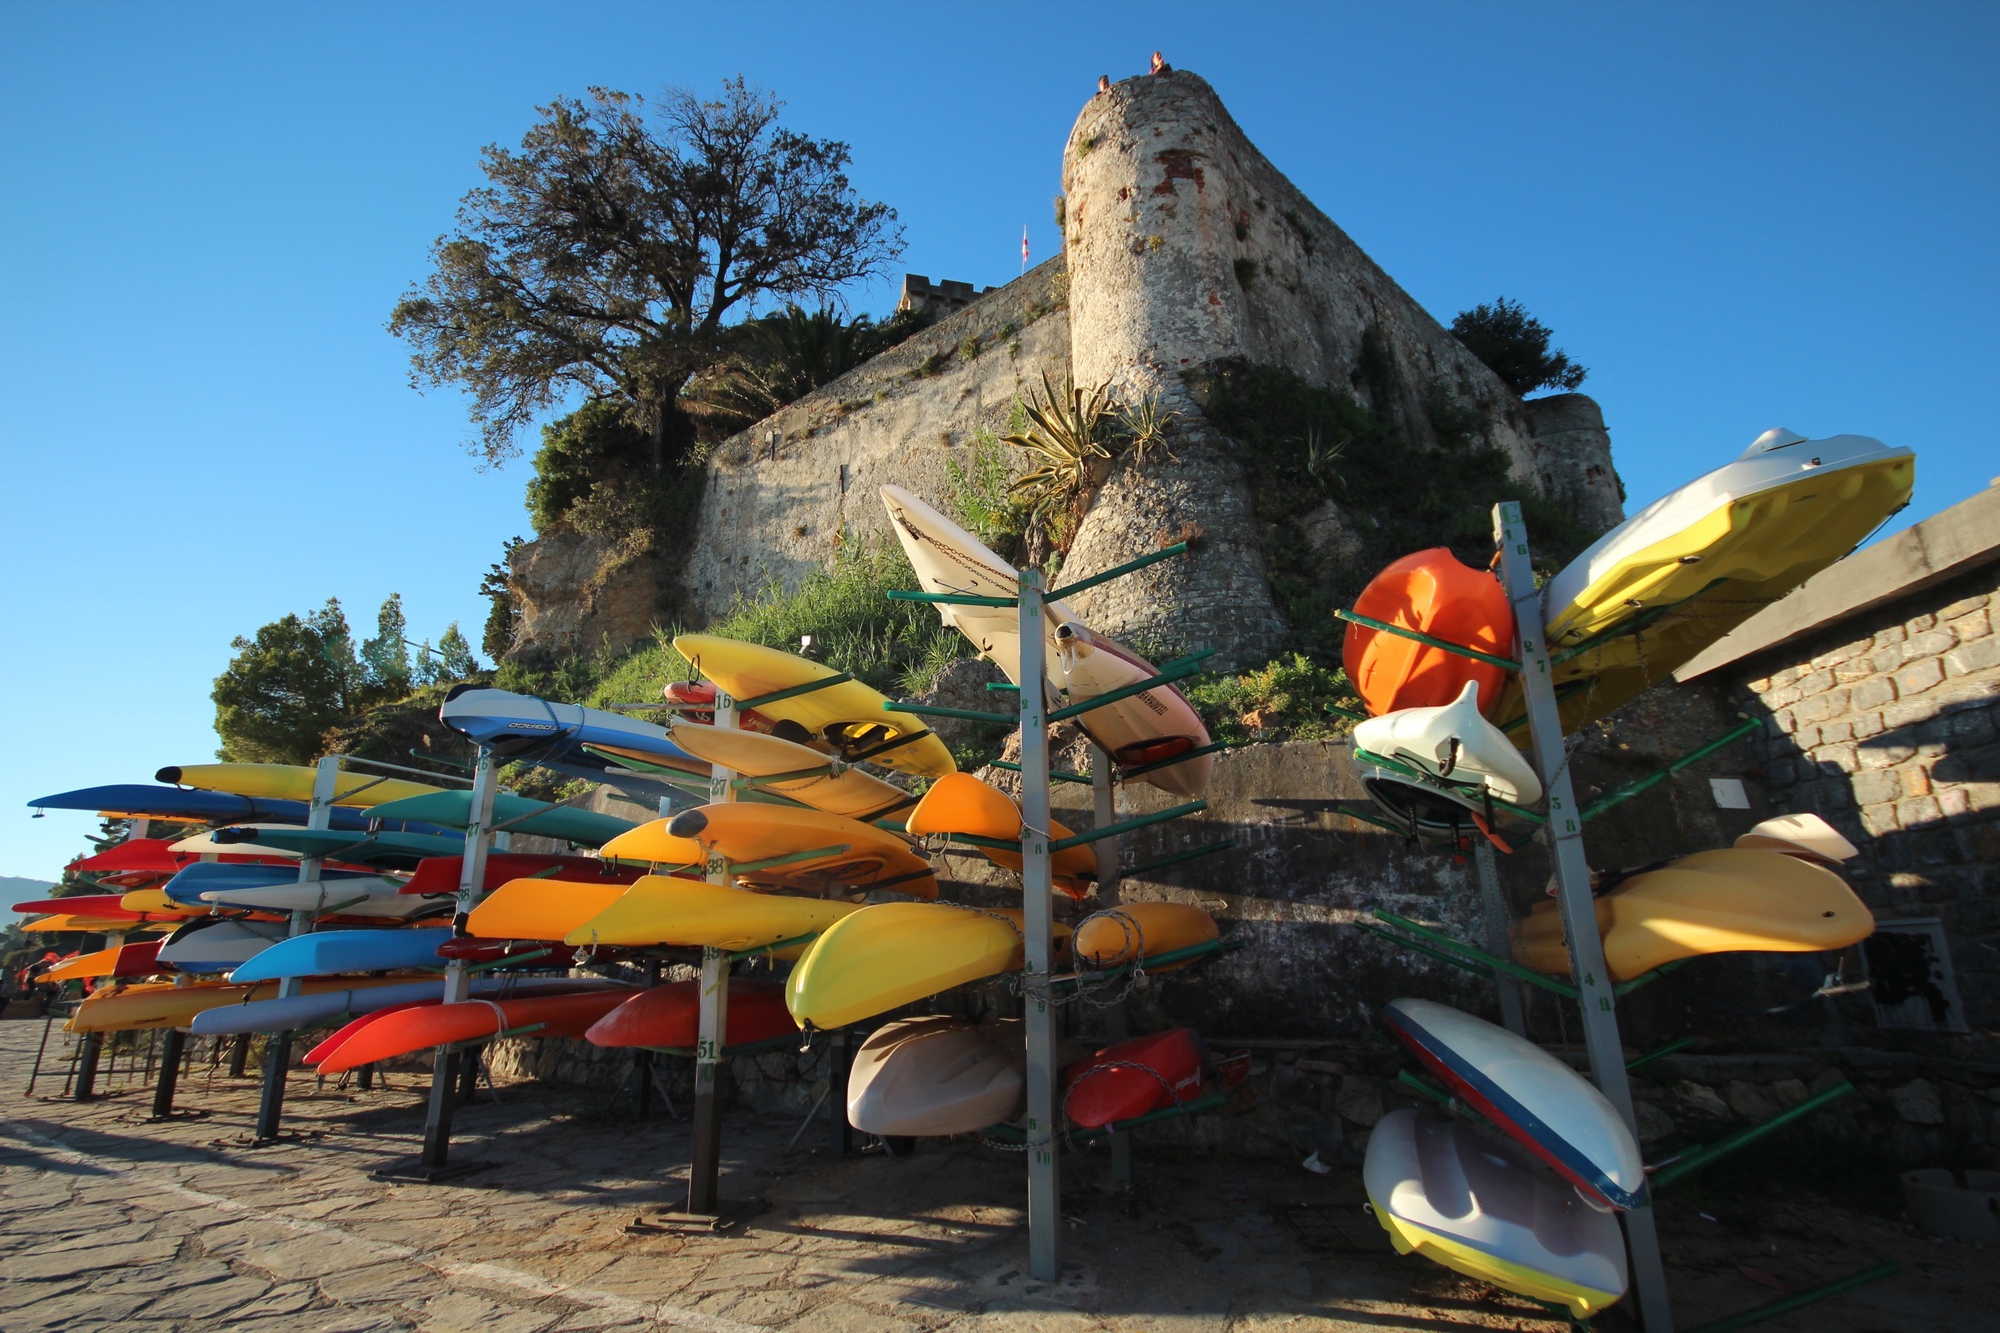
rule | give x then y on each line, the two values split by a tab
1434	593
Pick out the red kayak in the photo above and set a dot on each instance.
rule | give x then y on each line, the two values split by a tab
1128	1080
666	1016
335	1039
1434	593
423	1026
96	907
157	856
439	874
703	692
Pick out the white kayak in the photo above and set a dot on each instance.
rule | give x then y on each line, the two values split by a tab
373	896
1148	728
949	559
1458	765
218	943
1540	1102
935	1075
1476	1203
322	1007
1805	836
202	844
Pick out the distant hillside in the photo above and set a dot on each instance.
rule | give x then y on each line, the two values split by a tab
15	889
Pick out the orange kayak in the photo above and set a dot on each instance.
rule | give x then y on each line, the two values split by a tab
405	1030
1433	593
667	1015
961	803
335	1039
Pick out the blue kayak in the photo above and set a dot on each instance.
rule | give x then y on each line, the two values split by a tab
327	951
523	726
140	800
190	882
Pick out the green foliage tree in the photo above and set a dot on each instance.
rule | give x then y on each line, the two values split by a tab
606	254
594	447
503	616
455	659
386	657
284	688
1516	346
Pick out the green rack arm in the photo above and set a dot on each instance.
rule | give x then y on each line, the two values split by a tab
1126	826
1003	687
937	710
1214	1101
1620	795
1482	962
990	844
1168	674
1695	1159
514	958
1216	747
1167	959
1507	663
810	687
1351	714
1799	1300
1057	774
773	862
1115	572
948	598
1147	867
750	784
1664	1051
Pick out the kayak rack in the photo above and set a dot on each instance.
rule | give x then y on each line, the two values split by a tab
1590	987
1042	1127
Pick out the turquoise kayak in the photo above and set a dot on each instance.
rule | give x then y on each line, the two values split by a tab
328	951
454	810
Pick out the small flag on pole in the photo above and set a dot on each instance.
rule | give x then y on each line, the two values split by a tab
1024	247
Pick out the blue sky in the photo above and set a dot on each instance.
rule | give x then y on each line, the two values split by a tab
1737	216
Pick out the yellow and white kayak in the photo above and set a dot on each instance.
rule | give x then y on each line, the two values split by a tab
891	954
155	903
1731	901
830	850
1462	1196
291	782
1688	568
848	791
850	716
1137	931
961	803
1803	835
671	910
539	909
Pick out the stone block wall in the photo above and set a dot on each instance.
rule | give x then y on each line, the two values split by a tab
1888	726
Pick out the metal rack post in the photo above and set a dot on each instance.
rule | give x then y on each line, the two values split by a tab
1497	920
1104	807
1564	836
278	1054
712	1021
1037	920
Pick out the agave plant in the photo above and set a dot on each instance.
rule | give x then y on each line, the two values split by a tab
1067	433
1146	424
1323	459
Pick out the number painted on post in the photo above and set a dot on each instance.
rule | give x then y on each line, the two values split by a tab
705	1049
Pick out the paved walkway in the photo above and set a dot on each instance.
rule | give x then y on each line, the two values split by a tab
108	1222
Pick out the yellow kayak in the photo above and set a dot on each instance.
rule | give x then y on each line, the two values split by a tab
1729	901
831	849
161	1004
889	955
961	803
64	922
669	910
154	902
1687	569
291	782
754	755
850	716
539	909
1118	935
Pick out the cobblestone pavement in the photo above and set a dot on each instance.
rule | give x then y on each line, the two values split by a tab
108	1222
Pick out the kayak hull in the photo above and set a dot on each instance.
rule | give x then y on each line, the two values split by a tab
832	851
1147	728
961	803
1129	1079
670	910
1478	1205
1434	593
668	1016
892	954
415	1029
929	1076
328	951
1736	900
326	1002
1134	931
1539	1101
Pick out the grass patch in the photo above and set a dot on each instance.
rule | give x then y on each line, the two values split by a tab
1283	700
